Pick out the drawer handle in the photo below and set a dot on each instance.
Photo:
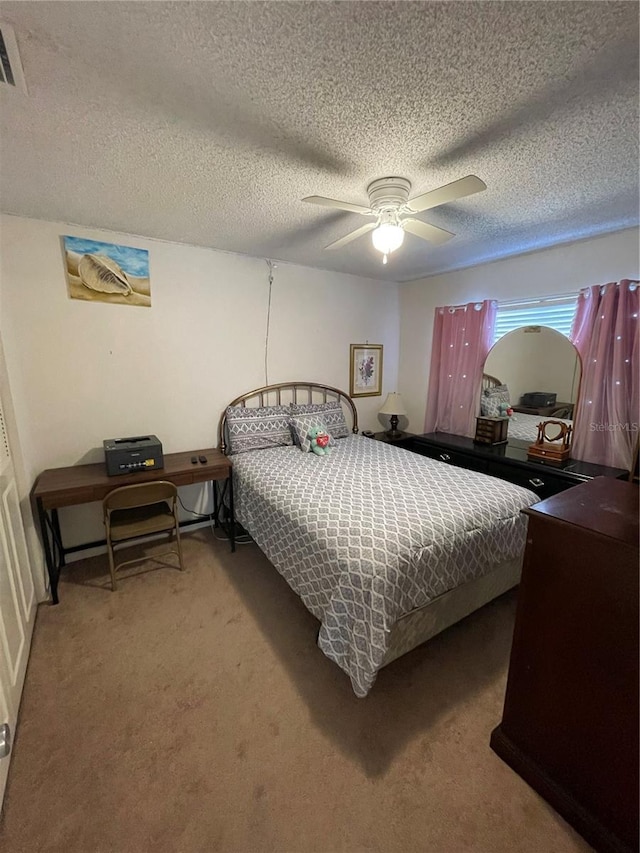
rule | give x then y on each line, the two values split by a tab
536	483
445	457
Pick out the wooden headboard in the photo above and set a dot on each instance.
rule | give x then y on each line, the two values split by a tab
284	393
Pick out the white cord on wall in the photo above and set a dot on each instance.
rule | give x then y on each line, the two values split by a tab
271	266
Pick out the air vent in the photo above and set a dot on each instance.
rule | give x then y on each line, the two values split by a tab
11	73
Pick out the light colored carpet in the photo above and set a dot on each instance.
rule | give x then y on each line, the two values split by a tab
194	712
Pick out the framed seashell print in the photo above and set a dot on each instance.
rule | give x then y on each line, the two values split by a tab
106	272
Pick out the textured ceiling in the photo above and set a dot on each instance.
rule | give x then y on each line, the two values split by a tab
208	122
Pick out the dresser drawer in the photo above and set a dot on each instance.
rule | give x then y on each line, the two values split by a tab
451	457
544	483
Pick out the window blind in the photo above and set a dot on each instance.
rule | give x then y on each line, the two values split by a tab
555	312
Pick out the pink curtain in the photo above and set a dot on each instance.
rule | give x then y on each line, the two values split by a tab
605	333
462	338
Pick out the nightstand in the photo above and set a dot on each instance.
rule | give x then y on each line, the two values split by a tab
382	436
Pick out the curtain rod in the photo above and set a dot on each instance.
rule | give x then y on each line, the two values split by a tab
556	297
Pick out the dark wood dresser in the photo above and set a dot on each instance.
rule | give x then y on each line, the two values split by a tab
507	461
570	721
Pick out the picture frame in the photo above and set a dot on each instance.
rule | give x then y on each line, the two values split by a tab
106	272
365	371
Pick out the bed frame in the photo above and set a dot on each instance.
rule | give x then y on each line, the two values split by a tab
284	393
416	627
489	381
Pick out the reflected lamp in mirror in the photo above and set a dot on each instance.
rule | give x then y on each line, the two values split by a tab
393	406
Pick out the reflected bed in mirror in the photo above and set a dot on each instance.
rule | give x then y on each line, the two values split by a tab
532	361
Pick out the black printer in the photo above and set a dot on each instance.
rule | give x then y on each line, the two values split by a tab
136	453
537	399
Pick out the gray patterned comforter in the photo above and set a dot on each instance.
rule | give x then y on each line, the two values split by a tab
371	532
525	427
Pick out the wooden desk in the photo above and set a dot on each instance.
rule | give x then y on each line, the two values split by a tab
80	484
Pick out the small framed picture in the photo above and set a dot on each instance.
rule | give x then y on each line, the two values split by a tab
365	370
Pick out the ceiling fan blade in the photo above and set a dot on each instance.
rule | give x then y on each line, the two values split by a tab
450	192
428	232
341	205
352	236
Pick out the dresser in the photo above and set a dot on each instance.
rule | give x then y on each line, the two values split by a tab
508	462
570	719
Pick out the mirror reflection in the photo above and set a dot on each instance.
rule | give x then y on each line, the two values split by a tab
552	431
541	369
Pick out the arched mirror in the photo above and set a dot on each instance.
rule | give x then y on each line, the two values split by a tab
541	369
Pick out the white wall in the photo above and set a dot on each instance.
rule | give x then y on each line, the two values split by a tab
557	270
81	372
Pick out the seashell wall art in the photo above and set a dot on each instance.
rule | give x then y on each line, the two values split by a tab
105	272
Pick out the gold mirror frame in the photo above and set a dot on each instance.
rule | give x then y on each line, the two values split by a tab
489	380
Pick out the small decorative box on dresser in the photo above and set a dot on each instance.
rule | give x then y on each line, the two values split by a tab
570	721
491	430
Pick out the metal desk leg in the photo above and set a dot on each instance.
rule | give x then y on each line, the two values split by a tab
57	538
53	569
214	497
232	517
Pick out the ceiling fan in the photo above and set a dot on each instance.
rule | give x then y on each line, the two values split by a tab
393	210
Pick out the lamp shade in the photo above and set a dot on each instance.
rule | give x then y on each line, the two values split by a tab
393	405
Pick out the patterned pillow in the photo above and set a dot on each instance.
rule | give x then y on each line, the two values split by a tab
332	416
301	425
256	429
491	399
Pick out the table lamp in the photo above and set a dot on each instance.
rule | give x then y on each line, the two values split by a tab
393	406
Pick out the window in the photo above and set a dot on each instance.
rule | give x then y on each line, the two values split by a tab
557	312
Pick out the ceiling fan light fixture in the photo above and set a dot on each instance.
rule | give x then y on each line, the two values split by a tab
387	237
393	211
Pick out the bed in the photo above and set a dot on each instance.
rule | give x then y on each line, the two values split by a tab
525	427
522	426
385	547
